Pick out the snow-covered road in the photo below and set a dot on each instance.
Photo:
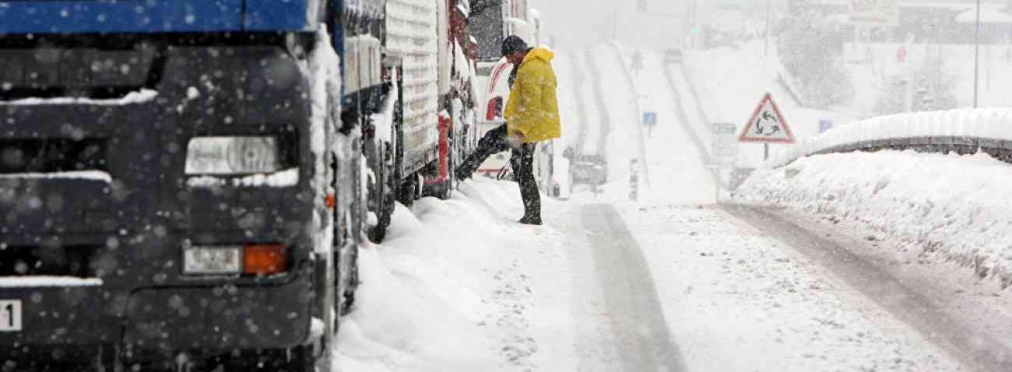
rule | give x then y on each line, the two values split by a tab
613	287
675	282
634	313
913	303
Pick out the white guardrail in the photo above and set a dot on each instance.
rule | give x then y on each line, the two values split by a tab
963	131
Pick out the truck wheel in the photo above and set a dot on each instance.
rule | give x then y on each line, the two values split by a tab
377	191
346	279
408	191
451	174
385	201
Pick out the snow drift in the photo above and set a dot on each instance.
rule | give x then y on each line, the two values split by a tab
950	208
990	124
449	289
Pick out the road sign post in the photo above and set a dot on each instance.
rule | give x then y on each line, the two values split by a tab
650	121
725	146
723	151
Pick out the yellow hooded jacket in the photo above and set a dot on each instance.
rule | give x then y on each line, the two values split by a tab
533	108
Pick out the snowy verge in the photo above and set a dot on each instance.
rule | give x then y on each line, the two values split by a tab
451	287
961	126
950	208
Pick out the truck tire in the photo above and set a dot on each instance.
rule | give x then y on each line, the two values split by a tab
445	190
387	186
346	279
409	189
378	189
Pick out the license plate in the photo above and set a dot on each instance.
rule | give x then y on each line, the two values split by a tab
10	315
212	260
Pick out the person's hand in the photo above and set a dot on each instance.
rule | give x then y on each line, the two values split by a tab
516	140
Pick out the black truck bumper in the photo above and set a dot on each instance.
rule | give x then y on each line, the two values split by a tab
73	322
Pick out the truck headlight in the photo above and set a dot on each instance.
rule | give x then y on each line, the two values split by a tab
232	155
212	260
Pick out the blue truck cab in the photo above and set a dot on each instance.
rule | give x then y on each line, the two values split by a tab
177	188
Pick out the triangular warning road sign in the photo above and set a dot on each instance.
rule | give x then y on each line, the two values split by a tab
767	124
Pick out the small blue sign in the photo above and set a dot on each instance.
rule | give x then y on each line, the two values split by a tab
825	125
649	118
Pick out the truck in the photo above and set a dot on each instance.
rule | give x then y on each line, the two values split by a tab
428	126
184	184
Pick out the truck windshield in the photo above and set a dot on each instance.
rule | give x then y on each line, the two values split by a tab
487	27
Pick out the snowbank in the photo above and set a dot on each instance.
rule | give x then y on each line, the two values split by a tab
991	124
449	289
950	208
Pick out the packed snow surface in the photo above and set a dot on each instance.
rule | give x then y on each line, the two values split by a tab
738	300
458	285
948	207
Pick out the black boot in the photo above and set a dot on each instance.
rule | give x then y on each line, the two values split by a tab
530	220
528	186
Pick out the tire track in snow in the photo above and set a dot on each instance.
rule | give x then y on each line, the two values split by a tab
634	311
978	351
604	117
687	127
581	111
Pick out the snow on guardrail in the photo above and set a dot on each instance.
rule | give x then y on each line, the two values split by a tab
987	130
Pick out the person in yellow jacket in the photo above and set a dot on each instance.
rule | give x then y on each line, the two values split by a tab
532	116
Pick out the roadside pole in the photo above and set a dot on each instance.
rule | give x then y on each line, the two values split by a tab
976	61
725	152
633	180
766	45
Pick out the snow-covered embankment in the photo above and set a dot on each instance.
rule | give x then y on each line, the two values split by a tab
949	208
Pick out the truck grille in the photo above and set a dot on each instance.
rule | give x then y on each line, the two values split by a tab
45	260
74	72
52	155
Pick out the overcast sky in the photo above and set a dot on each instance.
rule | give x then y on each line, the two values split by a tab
580	23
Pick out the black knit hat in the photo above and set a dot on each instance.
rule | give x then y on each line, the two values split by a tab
513	44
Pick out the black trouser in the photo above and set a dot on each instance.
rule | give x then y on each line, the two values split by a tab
522	162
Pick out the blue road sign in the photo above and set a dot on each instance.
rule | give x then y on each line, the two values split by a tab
649	118
825	125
